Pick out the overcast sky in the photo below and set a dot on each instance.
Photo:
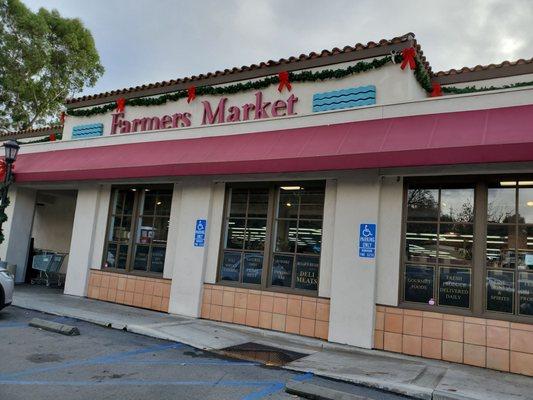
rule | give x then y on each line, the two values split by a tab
145	41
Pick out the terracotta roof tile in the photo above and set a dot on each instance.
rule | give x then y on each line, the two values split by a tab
34	132
504	64
270	63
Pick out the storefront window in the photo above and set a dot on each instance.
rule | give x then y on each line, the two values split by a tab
273	236
509	252
487	271
438	246
138	228
298	232
246	225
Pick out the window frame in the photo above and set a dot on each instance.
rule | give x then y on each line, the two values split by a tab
478	267
273	188
136	213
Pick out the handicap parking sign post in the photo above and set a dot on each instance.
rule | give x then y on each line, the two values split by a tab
367	240
199	233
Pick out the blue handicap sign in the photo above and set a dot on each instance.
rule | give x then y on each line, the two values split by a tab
367	240
199	232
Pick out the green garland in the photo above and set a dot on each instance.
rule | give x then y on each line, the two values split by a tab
305	76
421	74
59	136
473	89
3	215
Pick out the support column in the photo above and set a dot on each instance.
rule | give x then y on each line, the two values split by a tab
17	229
190	261
353	279
82	242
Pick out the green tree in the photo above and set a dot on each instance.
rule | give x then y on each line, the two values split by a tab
44	58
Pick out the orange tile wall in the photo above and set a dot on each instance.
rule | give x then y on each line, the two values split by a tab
137	291
487	343
301	315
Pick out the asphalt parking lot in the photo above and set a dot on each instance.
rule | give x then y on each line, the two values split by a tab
104	363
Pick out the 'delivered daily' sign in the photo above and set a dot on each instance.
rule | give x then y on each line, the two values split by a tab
367	240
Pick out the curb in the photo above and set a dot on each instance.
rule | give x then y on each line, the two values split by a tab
55	327
315	392
413	391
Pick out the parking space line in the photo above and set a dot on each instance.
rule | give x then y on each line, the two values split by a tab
199	363
13	325
130	382
91	361
271	389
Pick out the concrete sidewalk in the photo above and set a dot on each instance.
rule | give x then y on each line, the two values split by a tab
412	376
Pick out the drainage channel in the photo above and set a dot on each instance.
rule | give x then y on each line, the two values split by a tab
267	355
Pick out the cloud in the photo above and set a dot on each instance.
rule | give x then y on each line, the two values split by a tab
143	41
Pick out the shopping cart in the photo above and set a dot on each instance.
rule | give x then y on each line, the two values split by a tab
48	263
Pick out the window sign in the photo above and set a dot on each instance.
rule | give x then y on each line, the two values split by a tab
253	267
454	287
231	266
500	290
282	270
367	240
199	233
158	258
307	268
419	283
525	287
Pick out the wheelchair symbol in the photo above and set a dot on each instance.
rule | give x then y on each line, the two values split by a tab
367	232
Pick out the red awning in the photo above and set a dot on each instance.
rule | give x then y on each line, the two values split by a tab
485	136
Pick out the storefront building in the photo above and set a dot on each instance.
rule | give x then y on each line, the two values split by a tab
353	196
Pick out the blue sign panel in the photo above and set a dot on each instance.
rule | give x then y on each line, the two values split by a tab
367	240
199	233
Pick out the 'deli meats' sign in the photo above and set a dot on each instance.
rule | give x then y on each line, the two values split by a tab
212	113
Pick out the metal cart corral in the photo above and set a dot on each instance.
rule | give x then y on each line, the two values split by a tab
48	263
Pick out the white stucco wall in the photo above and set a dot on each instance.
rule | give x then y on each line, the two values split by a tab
17	229
353	280
389	240
190	262
85	230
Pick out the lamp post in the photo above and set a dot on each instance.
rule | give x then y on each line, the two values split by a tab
11	148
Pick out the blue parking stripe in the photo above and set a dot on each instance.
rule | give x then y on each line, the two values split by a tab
91	361
271	389
13	325
182	362
134	382
304	377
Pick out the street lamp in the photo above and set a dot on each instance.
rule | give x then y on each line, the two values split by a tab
11	148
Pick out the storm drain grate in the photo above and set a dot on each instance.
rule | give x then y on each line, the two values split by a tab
265	354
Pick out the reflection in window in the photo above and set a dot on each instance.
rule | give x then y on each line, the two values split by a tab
438	240
298	233
245	235
509	247
138	228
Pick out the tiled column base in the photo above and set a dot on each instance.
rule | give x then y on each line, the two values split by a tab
137	291
302	315
487	343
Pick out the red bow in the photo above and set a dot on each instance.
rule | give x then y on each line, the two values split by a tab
62	117
284	81
437	90
121	104
52	137
191	94
3	170
408	57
